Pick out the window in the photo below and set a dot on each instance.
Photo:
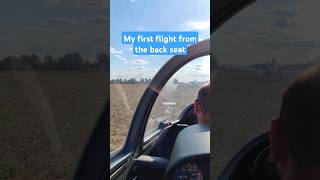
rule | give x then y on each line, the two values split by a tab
179	92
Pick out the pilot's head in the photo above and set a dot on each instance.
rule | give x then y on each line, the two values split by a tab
201	105
295	135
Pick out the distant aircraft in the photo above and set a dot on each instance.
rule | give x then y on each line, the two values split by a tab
271	73
192	83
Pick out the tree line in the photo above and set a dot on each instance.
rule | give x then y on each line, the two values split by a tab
130	81
68	62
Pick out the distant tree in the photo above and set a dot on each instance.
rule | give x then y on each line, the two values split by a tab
132	81
35	62
5	63
146	81
102	62
49	63
70	62
16	63
87	66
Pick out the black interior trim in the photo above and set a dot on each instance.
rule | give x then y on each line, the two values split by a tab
120	162
222	10
252	148
95	157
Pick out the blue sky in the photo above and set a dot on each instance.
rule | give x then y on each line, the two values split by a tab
152	15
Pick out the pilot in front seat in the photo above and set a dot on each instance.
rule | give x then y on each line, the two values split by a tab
167	138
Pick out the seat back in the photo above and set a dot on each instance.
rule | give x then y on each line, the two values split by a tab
167	138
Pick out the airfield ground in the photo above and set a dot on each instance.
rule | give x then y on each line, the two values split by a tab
123	100
244	105
76	100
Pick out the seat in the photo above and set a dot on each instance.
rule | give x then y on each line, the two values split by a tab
167	138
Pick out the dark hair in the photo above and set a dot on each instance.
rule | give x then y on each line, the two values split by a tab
300	117
203	97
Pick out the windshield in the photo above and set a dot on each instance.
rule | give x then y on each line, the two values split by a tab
180	91
130	74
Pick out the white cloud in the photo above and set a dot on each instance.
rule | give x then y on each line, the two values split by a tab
141	28
198	25
132	1
115	51
120	57
133	72
140	68
137	61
